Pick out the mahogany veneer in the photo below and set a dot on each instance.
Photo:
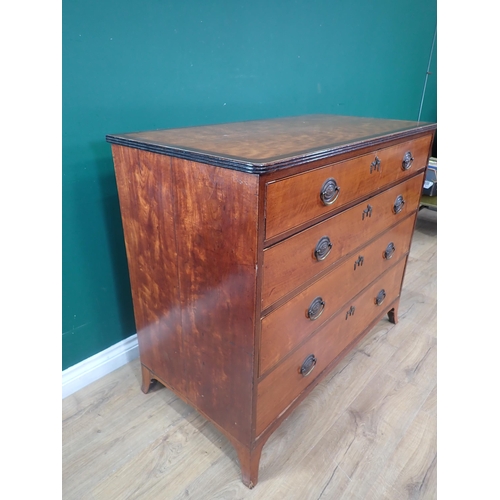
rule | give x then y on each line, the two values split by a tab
261	252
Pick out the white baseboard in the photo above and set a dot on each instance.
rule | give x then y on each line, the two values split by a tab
91	369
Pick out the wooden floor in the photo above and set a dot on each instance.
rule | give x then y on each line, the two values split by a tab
367	432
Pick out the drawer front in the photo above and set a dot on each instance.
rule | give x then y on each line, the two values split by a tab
283	385
290	263
290	324
298	199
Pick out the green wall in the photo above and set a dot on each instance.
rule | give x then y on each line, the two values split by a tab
130	66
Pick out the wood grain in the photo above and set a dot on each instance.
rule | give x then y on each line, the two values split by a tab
267	145
217	279
284	327
294	200
178	220
291	263
282	385
147	209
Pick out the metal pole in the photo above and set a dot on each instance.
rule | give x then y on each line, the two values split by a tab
427	74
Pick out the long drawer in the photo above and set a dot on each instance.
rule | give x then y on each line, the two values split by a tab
301	257
303	197
284	384
290	324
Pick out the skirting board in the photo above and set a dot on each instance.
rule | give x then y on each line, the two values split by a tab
91	369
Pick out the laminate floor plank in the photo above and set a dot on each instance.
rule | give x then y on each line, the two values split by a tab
111	438
411	470
169	458
368	431
380	418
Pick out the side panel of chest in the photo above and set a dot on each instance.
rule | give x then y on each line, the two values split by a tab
191	237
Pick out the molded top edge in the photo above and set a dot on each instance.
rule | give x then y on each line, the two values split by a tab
262	146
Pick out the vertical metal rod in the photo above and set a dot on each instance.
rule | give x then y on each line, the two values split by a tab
427	74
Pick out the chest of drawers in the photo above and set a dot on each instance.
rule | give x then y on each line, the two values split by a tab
261	252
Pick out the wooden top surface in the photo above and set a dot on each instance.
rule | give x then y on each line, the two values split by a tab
266	145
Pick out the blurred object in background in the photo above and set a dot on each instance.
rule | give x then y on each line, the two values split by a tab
429	191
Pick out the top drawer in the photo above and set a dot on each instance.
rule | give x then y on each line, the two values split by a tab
303	197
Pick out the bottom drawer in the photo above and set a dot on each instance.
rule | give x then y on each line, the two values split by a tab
284	384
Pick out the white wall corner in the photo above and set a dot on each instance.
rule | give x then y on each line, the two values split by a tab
91	369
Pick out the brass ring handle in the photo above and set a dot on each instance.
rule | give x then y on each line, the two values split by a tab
308	365
380	297
323	248
399	204
329	191
407	161
316	308
389	251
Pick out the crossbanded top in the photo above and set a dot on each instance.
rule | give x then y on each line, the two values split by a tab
261	146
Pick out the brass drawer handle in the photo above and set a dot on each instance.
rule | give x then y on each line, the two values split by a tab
316	308
308	365
350	312
389	251
380	297
399	204
323	248
375	165
329	191
407	160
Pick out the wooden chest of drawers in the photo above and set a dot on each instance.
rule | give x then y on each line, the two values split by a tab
261	252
